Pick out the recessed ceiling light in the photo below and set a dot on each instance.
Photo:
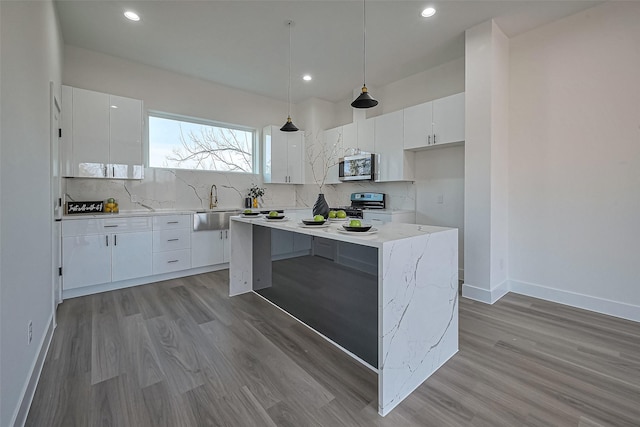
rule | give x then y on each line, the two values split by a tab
131	15
428	12
306	78
114	106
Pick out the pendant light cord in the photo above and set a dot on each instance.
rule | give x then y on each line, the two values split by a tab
289	91
364	42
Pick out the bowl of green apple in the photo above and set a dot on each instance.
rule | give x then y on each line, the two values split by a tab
316	220
274	215
357	226
249	212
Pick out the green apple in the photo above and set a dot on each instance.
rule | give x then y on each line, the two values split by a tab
274	213
318	218
332	214
341	214
355	223
111	200
247	211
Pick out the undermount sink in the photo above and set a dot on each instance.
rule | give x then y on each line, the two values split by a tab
213	220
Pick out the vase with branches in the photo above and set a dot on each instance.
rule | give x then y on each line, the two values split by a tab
322	155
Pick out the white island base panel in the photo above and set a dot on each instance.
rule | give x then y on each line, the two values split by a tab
417	294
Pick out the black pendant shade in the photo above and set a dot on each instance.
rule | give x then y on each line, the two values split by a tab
290	127
365	100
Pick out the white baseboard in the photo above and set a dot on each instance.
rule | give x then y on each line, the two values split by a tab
587	302
29	390
95	289
485	295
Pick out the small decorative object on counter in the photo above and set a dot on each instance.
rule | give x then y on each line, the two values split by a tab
321	207
111	206
254	193
73	208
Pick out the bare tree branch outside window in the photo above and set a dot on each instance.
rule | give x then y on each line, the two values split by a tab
174	143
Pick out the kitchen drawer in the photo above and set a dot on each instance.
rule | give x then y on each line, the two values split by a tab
170	240
169	222
81	227
165	262
111	225
133	223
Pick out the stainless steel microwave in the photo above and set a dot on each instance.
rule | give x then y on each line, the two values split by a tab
360	167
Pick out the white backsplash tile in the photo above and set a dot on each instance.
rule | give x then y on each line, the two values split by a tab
184	189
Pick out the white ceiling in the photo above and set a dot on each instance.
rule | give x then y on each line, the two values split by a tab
244	44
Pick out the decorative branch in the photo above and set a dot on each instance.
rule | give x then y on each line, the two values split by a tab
321	156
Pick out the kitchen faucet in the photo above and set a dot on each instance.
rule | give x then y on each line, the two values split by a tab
213	202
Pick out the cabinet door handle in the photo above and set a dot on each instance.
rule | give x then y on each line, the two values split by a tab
172	222
105	171
110	226
429	140
172	240
220	235
434	138
172	261
226	234
106	239
113	171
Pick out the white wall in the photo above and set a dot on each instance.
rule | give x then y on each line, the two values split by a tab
170	92
574	175
31	51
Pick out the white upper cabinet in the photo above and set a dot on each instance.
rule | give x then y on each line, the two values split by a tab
349	137
448	119
366	135
125	126
394	164
102	135
434	123
283	156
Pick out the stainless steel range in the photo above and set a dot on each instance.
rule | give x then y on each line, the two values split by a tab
362	201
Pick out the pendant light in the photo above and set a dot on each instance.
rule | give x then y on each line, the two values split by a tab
365	100
289	126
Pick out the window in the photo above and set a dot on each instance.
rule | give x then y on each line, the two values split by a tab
188	143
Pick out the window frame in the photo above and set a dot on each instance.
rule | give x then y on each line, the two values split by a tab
255	146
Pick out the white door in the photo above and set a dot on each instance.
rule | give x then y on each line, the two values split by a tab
448	119
90	133
86	261
125	125
390	147
226	247
418	126
277	144
56	198
131	255
366	135
295	157
207	248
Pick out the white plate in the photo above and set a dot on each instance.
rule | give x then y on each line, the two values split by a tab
303	225
339	219
250	216
373	230
286	218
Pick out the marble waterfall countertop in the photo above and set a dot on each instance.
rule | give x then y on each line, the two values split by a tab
385	233
146	212
417	292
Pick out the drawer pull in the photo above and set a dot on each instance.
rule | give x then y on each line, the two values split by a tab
172	222
172	240
110	226
172	261
106	239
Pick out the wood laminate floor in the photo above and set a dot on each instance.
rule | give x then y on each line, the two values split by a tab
182	353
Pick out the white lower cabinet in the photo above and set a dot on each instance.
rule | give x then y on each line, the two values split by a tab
166	262
381	217
104	257
209	248
130	255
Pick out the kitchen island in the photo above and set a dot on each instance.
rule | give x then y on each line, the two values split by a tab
416	271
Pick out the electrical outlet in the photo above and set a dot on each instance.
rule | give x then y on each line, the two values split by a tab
134	198
30	332
440	199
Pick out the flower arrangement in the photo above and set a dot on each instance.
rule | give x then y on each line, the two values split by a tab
255	191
